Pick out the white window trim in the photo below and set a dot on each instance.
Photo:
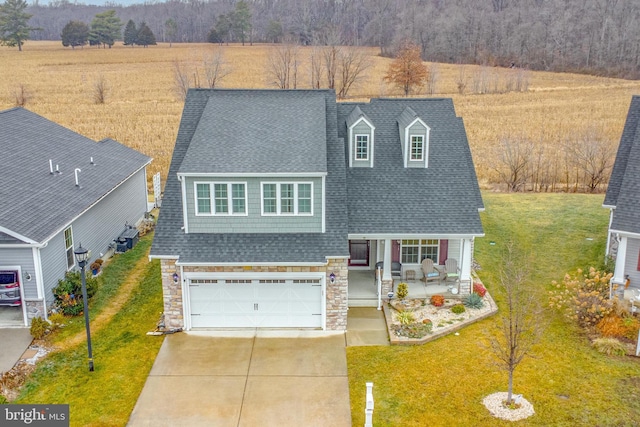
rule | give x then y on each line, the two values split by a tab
411	136
66	248
355	150
352	141
419	246
425	144
212	198
279	199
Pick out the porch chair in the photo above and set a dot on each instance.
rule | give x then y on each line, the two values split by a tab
396	270
451	271
431	273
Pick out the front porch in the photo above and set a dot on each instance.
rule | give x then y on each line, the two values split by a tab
362	289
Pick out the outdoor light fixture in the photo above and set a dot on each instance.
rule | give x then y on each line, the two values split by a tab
82	255
27	276
175	277
332	278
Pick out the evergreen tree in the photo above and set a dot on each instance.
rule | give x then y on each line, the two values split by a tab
75	33
14	28
145	36
105	29
170	29
130	34
241	20
213	36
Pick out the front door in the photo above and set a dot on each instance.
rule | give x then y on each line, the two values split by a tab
359	252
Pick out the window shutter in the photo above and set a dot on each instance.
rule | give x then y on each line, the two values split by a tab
444	249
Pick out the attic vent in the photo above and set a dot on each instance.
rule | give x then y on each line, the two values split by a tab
91	161
76	172
51	166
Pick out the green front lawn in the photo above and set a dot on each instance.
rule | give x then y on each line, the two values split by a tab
569	383
122	351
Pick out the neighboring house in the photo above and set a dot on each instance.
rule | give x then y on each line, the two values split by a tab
623	200
273	197
59	190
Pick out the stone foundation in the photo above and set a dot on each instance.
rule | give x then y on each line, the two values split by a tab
35	309
172	296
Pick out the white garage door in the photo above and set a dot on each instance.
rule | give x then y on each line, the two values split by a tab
255	303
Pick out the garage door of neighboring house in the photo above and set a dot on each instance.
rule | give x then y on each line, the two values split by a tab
232	302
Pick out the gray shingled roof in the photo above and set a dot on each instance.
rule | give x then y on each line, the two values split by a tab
170	240
35	203
623	191
441	199
259	132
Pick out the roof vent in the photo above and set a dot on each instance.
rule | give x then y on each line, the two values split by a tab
91	161
50	166
58	170
76	172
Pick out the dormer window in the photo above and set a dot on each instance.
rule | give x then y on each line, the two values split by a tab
417	147
362	147
414	137
361	139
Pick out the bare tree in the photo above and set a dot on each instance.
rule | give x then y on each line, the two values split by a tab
215	69
181	80
433	75
511	161
100	89
316	67
353	63
593	156
521	326
283	65
461	79
331	55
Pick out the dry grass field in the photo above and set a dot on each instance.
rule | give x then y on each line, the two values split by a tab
143	111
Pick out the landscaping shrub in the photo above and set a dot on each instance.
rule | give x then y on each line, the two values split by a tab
479	289
584	298
474	301
57	320
405	317
39	327
402	291
437	300
458	309
616	326
413	330
609	346
68	293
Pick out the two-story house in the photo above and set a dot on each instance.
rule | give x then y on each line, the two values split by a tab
273	197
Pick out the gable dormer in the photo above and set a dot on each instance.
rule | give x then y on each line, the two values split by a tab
361	139
414	137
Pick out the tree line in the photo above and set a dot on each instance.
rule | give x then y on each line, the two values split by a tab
594	36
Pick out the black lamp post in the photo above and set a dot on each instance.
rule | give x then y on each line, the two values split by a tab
81	256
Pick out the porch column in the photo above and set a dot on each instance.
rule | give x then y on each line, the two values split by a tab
386	273
465	262
618	275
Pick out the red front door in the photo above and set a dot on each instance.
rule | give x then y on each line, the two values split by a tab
359	251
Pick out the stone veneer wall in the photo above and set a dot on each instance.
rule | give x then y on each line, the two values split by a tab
35	308
336	293
171	295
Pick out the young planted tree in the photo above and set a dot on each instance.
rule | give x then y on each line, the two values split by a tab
130	33
520	327
407	71
145	36
14	27
75	33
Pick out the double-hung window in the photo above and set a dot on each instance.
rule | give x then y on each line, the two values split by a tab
362	147
68	246
221	198
287	198
417	147
415	251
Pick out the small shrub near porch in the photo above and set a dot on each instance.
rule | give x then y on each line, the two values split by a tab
68	293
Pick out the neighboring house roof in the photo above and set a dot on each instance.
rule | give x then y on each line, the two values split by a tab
623	191
259	132
170	240
37	204
442	199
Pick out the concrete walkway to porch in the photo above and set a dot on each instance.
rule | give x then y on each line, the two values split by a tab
366	326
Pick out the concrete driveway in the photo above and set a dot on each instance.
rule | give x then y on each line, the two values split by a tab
261	379
13	343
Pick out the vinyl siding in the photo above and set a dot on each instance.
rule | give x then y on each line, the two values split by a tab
14	257
254	221
631	261
96	229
